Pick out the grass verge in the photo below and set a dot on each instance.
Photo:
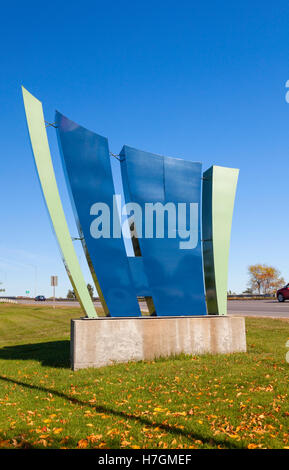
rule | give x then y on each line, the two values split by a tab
224	401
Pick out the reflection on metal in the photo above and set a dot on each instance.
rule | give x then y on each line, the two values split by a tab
86	163
219	188
174	275
140	275
40	147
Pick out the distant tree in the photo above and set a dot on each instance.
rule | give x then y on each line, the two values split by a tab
71	294
264	279
256	273
90	290
273	280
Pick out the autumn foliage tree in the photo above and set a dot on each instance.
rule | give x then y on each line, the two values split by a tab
264	279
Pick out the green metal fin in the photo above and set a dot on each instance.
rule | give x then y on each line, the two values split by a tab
219	189
41	152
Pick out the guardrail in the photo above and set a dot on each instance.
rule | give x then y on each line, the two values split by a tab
251	296
8	300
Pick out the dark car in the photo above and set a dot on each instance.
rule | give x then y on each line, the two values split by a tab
283	294
40	298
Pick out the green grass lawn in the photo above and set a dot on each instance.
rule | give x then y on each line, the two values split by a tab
224	401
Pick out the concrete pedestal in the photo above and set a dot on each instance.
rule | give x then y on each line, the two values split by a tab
103	341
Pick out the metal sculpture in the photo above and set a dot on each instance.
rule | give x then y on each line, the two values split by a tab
178	268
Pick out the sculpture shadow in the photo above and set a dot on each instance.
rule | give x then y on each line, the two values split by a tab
144	421
51	354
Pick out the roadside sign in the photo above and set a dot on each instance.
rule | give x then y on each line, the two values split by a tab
54	281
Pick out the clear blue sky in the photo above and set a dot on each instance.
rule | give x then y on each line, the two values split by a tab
203	81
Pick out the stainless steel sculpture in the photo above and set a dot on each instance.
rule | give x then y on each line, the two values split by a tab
180	267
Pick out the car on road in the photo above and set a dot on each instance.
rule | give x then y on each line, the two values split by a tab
283	294
40	298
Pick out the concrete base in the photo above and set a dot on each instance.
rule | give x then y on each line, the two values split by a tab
103	341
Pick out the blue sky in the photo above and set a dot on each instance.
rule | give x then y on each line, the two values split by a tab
203	81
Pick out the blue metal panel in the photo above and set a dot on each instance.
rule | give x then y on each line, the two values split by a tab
175	275
139	277
86	163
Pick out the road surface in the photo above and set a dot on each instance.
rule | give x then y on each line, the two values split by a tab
262	308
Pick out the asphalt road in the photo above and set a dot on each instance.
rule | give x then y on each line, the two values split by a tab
260	308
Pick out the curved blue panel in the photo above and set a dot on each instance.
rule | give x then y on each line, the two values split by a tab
86	163
138	274
174	274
